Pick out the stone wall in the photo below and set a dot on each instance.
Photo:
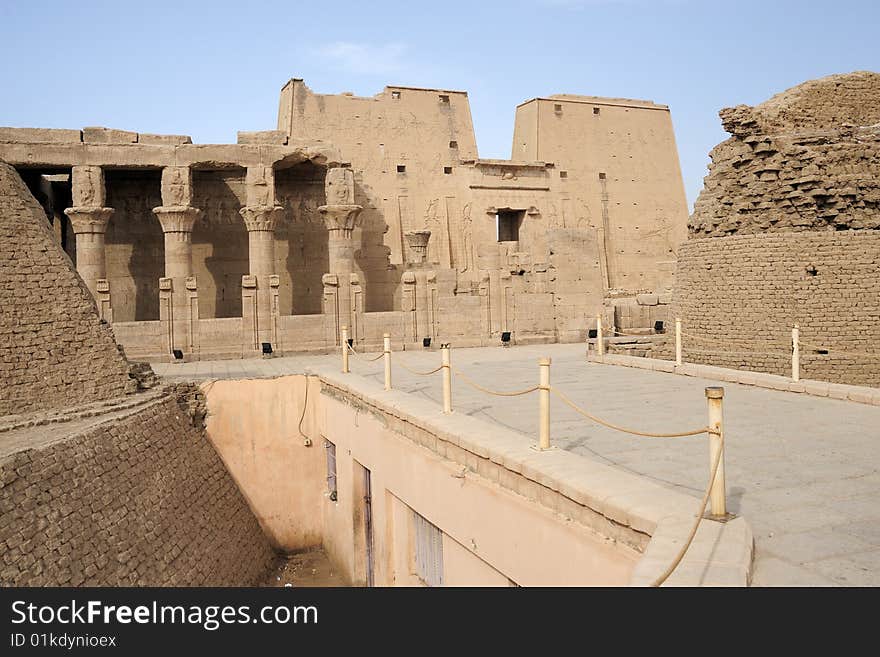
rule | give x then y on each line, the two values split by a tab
742	294
54	351
137	500
806	159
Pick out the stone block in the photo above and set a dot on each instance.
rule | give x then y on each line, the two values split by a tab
99	135
39	135
647	299
163	140
273	137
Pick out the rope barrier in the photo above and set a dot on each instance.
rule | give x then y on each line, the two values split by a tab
428	373
690	539
497	393
605	423
364	358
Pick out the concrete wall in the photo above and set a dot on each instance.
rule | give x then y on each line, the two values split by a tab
54	351
761	285
254	426
137	499
491	536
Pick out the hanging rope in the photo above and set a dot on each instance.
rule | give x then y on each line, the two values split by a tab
497	393
684	548
605	423
303	415
409	369
364	358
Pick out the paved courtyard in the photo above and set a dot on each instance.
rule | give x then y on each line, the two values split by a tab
804	470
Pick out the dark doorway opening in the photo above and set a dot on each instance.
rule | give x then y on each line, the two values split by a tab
508	224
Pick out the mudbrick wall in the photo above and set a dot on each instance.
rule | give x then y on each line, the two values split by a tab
738	298
137	500
54	350
806	159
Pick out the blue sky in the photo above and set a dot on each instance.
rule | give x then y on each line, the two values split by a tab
208	69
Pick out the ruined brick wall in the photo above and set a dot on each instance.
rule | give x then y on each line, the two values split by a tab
54	350
742	294
806	159
141	500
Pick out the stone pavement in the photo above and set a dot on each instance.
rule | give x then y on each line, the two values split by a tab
804	471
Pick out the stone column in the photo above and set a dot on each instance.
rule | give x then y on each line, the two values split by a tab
341	217
178	292
89	219
261	216
419	287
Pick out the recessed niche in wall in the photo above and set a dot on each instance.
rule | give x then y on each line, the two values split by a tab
557	108
601	176
395	95
453	144
563	174
447	170
401	168
508	223
595	110
444	98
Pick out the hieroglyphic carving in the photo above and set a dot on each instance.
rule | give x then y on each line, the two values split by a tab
87	186
433	226
339	186
260	186
177	188
466	244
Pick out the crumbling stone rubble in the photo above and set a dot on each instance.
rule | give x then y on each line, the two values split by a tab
806	159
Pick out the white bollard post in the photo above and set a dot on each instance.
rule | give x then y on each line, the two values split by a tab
386	347
544	403
718	503
677	341
600	342
446	363
345	369
795	353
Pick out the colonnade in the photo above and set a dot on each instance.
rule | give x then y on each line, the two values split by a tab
178	288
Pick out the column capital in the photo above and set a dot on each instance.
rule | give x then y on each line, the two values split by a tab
89	219
342	218
261	217
418	245
177	218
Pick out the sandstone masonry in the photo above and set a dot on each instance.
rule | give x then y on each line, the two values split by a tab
807	159
739	296
54	351
142	500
